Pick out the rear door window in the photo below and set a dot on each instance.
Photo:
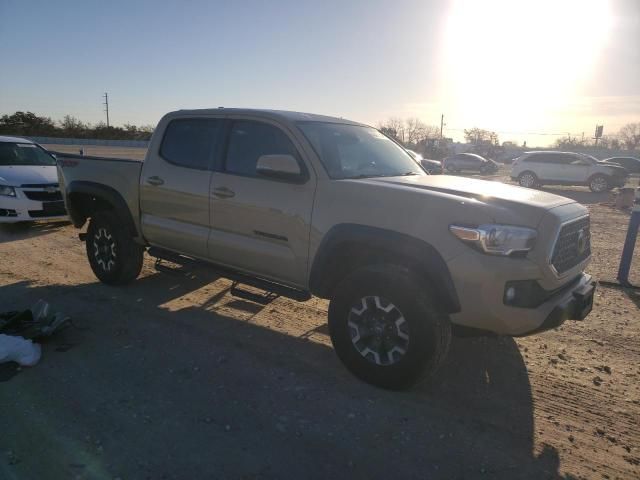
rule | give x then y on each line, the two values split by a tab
191	142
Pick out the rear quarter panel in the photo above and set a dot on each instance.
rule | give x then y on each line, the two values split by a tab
121	175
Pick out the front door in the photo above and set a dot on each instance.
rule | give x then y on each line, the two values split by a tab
174	186
261	225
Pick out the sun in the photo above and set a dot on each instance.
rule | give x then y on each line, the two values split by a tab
509	64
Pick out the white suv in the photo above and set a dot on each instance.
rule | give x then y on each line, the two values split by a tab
534	169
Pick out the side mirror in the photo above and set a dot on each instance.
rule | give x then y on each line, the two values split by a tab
284	167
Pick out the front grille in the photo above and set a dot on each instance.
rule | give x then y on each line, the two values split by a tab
42	196
39	185
50	209
573	245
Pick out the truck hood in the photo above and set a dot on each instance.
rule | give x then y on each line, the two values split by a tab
16	175
484	201
482	190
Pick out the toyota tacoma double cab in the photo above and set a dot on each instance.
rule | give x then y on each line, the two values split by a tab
297	204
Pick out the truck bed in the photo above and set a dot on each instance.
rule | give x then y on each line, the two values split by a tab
120	174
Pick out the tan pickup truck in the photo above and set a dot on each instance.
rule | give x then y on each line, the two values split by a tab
298	205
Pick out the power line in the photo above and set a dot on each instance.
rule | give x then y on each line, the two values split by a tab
554	134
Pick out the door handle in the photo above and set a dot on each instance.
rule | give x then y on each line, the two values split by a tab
155	181
223	192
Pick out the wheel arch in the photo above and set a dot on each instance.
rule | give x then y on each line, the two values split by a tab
84	198
348	246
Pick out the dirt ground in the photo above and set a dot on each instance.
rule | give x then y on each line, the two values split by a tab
173	378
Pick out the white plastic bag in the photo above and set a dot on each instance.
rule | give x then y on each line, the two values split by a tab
17	349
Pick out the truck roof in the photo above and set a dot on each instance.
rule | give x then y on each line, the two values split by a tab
14	140
266	113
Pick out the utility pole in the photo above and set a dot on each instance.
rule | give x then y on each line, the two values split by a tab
441	124
106	105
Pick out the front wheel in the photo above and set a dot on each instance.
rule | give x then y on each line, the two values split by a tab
113	255
599	184
528	180
385	327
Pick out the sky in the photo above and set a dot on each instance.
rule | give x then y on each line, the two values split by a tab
518	67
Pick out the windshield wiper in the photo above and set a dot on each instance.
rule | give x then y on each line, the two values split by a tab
367	175
378	175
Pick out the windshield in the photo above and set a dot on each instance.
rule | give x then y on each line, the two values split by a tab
353	151
24	154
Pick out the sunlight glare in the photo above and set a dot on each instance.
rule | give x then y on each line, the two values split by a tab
511	62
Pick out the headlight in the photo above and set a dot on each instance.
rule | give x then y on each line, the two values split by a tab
7	191
497	239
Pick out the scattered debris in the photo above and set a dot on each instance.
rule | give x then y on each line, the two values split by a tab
18	328
37	322
17	349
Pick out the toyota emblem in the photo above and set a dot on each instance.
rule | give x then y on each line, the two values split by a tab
582	241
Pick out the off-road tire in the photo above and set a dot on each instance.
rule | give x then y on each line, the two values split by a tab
114	256
525	178
429	329
599	183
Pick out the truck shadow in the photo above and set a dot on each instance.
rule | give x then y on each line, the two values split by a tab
248	400
10	232
580	194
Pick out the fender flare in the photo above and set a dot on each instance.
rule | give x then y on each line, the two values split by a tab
99	191
424	258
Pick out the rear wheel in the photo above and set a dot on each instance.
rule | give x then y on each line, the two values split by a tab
528	180
599	184
386	329
113	255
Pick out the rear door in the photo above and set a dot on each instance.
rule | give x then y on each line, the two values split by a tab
174	185
261	225
553	167
577	168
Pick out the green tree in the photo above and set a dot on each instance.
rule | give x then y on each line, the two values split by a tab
28	124
72	127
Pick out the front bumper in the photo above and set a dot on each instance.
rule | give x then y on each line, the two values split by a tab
480	282
575	304
21	209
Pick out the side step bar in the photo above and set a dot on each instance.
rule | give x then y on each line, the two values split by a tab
272	288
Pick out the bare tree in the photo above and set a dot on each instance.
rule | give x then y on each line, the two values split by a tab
410	131
480	136
630	135
568	143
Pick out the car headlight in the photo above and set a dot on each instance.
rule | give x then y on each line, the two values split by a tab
502	240
7	191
